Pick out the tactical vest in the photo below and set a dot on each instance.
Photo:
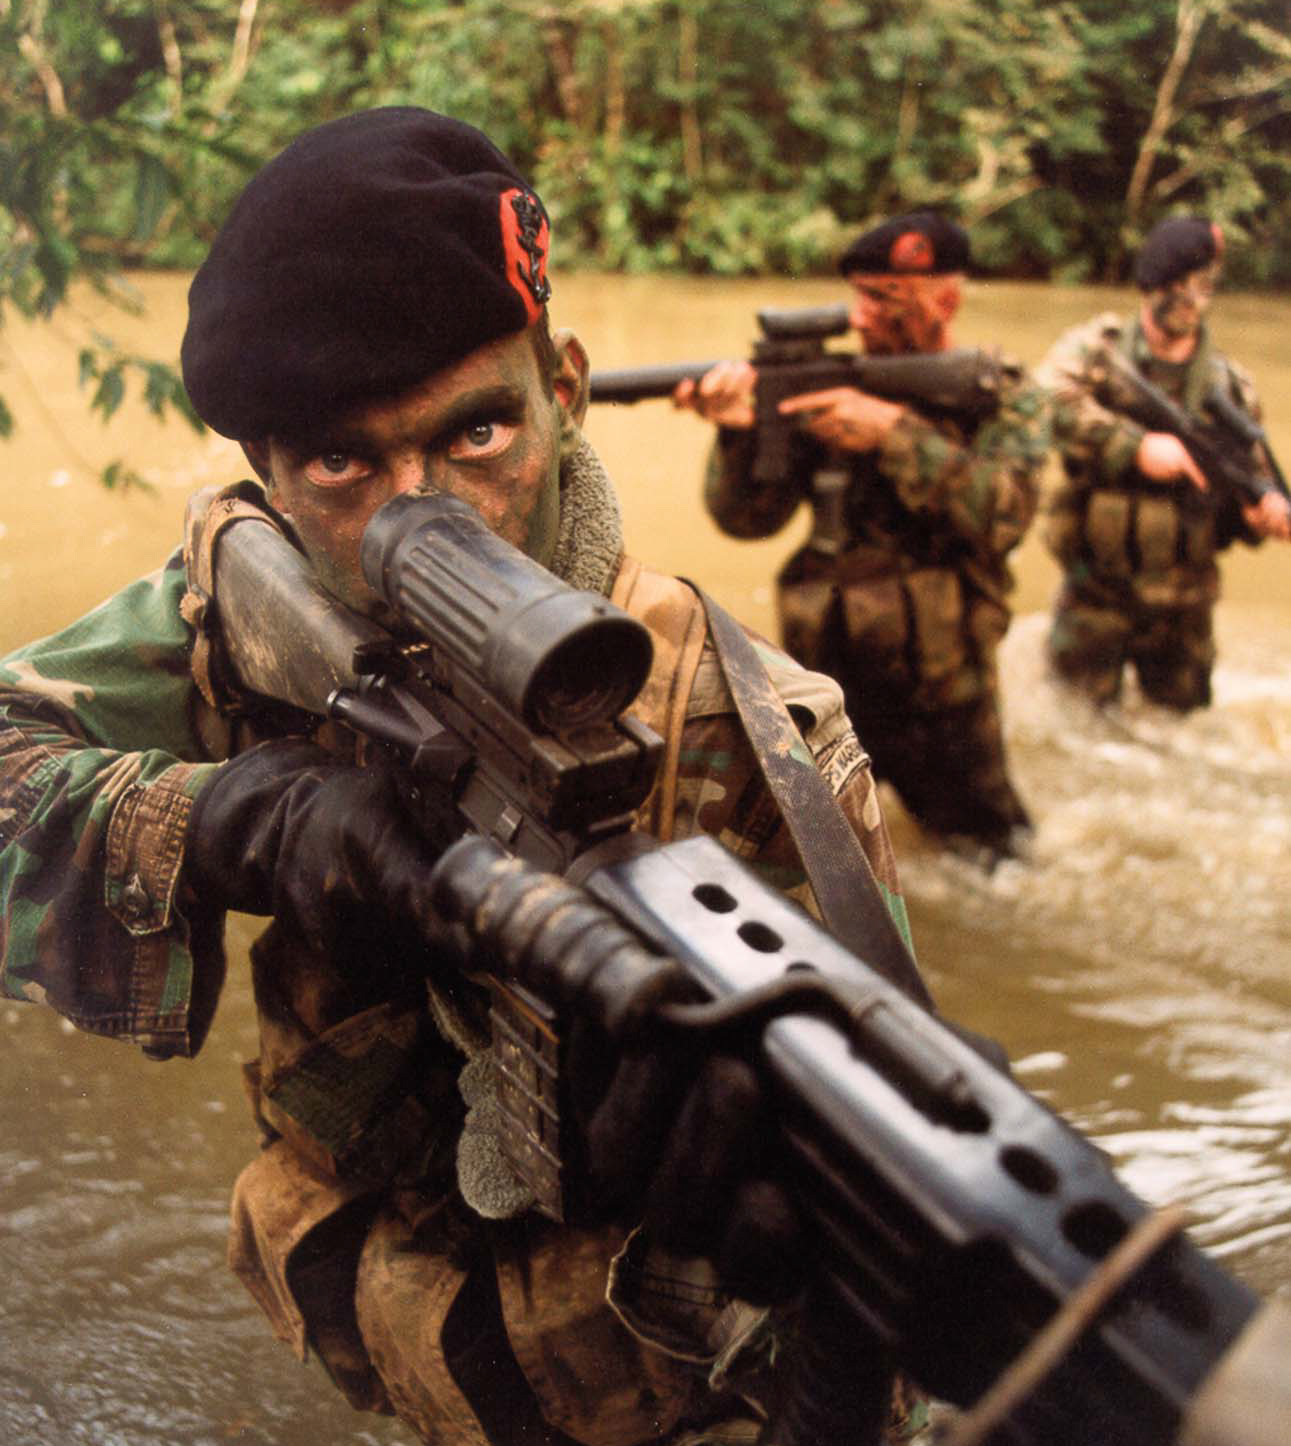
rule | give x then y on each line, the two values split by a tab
902	609
1140	534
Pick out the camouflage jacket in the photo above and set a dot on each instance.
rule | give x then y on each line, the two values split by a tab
903	583
1111	529
105	740
948	493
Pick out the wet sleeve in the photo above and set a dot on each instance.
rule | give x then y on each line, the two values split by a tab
99	764
985	484
721	791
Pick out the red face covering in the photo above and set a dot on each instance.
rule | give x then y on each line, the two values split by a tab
898	314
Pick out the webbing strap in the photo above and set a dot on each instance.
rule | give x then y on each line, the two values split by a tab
846	890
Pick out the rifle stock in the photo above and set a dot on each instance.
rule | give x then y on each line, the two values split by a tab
957	1216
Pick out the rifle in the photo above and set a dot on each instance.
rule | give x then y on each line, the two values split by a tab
966	1232
791	358
1221	446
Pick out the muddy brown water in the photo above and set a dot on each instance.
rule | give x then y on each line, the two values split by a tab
1139	969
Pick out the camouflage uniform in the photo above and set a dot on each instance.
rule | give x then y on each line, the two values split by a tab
900	593
1140	578
351	1227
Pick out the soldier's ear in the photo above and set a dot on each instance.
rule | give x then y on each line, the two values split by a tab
571	381
948	296
257	453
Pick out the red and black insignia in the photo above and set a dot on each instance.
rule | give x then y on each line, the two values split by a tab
525	240
912	251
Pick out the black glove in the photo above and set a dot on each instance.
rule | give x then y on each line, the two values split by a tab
325	847
686	1141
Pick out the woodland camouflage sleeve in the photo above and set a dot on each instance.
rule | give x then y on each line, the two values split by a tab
720	790
1240	385
740	506
986	485
98	769
1097	444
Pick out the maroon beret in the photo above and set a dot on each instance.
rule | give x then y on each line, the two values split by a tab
371	252
1174	248
922	244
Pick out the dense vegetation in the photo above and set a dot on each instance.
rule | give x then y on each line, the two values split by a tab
720	136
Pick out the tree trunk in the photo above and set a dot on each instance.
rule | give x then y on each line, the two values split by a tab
692	149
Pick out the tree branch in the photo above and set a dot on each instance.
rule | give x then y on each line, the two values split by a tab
1190	17
31	48
239	58
172	58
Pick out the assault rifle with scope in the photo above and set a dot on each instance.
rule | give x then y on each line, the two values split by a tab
791	358
961	1227
1221	445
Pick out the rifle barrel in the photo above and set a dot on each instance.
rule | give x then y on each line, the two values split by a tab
639	384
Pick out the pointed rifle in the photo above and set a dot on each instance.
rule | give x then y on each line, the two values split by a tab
1222	444
791	358
962	1230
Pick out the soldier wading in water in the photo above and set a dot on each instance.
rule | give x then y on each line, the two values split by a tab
371	321
1134	523
901	596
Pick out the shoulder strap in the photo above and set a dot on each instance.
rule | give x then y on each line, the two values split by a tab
837	868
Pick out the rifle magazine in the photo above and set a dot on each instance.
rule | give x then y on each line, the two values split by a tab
527	1055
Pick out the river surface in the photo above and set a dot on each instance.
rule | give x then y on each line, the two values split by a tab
1138	969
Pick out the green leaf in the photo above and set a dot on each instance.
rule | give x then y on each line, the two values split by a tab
152	191
117	477
110	392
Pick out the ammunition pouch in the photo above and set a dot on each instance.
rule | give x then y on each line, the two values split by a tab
1146	536
926	636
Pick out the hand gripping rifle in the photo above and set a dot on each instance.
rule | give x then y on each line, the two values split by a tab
963	1230
1221	446
791	358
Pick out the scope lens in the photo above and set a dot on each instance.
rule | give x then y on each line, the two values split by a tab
591	677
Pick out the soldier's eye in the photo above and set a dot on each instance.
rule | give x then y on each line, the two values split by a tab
334	469
482	440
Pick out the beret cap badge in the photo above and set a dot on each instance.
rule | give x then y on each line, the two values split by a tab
911	251
524	246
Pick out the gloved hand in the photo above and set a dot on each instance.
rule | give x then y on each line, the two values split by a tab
685	1140
285	829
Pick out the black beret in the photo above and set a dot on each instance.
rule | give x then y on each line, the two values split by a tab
371	252
924	243
1176	247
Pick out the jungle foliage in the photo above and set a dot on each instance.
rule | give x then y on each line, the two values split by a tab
712	136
